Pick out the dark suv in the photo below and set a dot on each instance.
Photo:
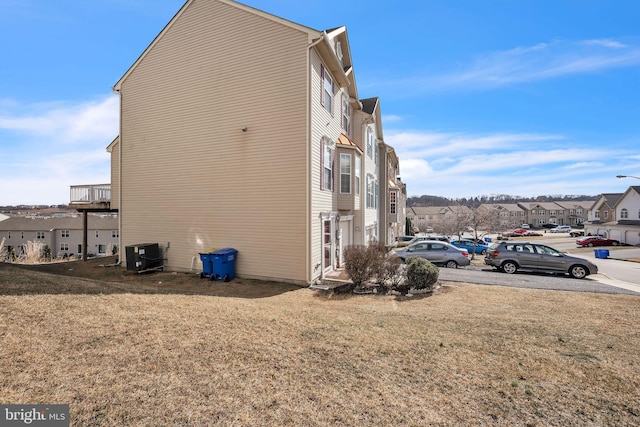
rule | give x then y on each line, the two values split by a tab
510	257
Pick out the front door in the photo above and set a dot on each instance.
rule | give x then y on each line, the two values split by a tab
327	244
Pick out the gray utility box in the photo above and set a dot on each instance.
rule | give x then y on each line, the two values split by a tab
144	257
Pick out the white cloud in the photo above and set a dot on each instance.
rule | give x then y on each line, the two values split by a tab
54	146
467	165
525	64
69	123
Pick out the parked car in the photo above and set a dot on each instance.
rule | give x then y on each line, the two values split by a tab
514	233
402	241
480	247
525	226
531	233
577	233
439	253
510	257
549	225
561	229
592	241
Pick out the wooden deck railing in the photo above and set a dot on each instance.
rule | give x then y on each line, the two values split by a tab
90	194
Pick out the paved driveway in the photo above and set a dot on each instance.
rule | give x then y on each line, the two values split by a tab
486	276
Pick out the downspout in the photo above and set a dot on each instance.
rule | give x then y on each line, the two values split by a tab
120	248
309	182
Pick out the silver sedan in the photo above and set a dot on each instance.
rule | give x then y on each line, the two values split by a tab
437	252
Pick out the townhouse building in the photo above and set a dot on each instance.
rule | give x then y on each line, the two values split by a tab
440	219
603	209
623	212
63	235
508	215
231	110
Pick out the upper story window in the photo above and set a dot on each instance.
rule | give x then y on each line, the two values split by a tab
372	192
115	233
40	235
606	214
392	202
624	214
346	114
97	234
357	174
597	214
326	158
369	137
8	234
64	233
542	212
345	173
327	90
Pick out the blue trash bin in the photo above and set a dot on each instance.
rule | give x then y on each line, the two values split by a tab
601	253
207	265
224	264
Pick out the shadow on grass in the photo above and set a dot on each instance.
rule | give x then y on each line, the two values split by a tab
94	277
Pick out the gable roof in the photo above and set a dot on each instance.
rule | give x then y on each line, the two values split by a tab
633	188
313	34
65	223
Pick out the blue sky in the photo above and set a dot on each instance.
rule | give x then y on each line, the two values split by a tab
529	97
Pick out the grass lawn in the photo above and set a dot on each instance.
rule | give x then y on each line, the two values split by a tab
172	349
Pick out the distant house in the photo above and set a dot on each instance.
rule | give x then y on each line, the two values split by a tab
510	215
625	225
63	235
604	208
242	129
442	219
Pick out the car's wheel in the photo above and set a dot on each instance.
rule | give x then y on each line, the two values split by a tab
509	267
590	245
614	243
578	272
483	252
451	264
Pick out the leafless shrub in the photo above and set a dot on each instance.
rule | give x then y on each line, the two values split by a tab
32	253
390	274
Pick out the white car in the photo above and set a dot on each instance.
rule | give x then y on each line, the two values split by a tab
561	229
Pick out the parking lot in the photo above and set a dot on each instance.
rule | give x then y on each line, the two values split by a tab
617	274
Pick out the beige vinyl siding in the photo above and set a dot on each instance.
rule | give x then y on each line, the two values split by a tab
115	174
323	124
191	176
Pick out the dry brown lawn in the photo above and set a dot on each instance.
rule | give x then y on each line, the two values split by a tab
131	351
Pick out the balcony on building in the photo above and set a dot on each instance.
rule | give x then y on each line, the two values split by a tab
92	198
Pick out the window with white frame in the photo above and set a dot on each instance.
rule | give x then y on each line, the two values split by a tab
624	214
345	173
40	235
597	214
371	192
326	181
64	246
376	153
8	234
357	174
369	142
327	90
115	233
22	234
102	249
64	233
97	234
393	197
606	214
346	114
